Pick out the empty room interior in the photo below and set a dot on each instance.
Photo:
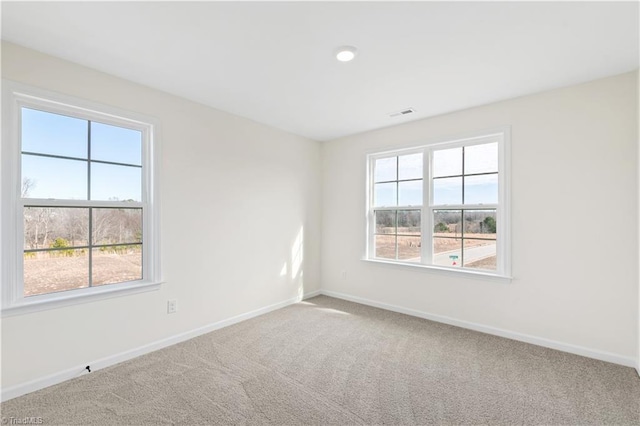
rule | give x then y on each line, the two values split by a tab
320	213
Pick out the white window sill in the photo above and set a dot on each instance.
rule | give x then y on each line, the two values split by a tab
74	297
465	273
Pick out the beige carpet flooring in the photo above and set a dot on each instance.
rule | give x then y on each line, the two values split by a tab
327	361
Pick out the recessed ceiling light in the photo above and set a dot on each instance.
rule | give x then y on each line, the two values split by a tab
346	53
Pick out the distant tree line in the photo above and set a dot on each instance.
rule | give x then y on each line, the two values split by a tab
63	228
409	220
475	221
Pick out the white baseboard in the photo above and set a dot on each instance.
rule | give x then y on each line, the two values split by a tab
312	294
71	373
59	377
540	341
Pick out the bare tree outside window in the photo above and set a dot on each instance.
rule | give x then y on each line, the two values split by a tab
76	246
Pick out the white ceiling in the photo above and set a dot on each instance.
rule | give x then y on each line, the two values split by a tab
274	62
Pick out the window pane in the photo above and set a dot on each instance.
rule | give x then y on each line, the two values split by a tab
385	246
480	254
109	182
55	227
47	133
447	223
116	144
111	265
410	166
385	222
481	158
117	226
58	270
480	224
447	191
409	248
447	251
386	169
481	189
385	194
410	193
447	162
45	177
409	222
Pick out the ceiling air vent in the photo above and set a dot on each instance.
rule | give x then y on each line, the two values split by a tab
403	112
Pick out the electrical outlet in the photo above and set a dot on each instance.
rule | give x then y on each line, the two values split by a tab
343	275
172	306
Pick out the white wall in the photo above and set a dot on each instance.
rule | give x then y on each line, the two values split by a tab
574	220
235	196
236	193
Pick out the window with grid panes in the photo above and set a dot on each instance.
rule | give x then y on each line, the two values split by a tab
85	208
441	205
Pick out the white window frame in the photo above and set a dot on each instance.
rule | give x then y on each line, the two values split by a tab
503	212
16	96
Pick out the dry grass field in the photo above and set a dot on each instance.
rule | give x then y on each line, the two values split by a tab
448	243
44	273
408	243
409	246
486	263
